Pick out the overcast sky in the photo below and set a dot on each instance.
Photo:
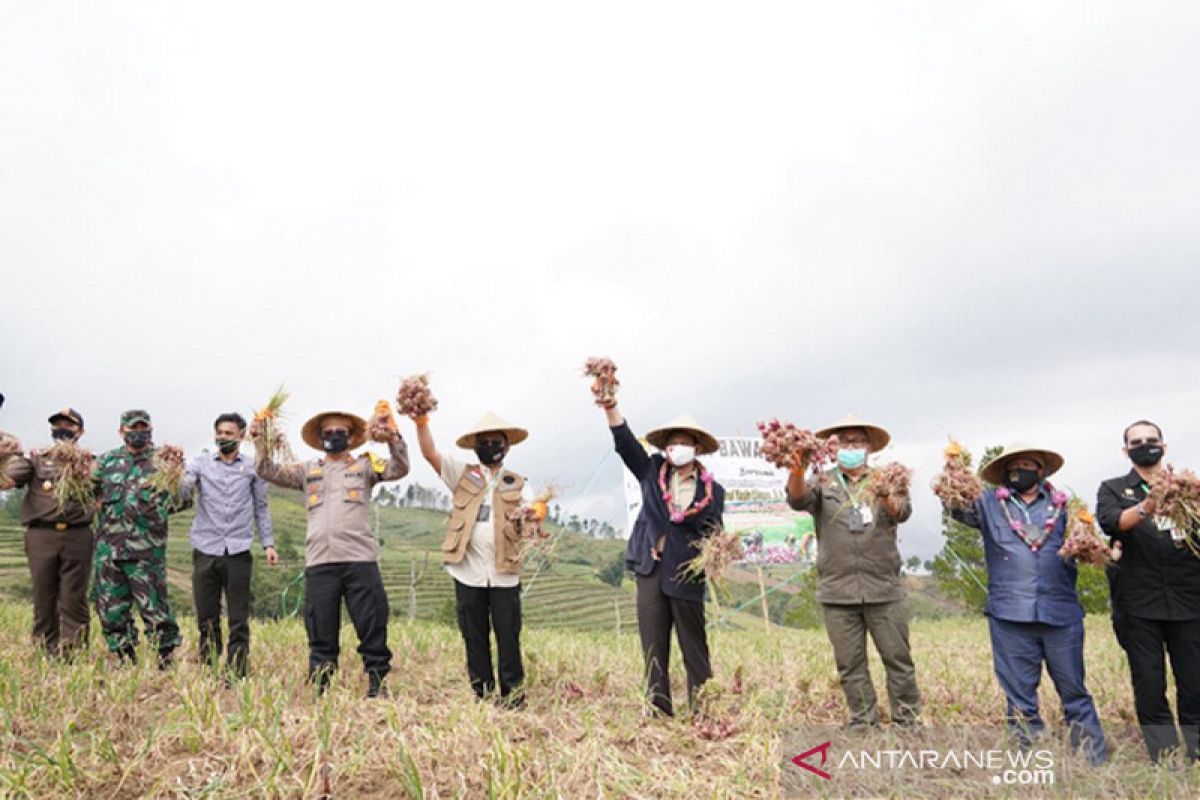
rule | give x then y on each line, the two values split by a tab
967	218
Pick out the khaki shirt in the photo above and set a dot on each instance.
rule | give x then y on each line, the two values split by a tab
852	568
337	494
40	507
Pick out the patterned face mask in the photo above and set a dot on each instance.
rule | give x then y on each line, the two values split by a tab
138	439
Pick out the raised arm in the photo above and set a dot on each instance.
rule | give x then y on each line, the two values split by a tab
631	451
286	476
428	448
397	466
801	496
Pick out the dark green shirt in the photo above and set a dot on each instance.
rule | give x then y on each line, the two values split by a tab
852	568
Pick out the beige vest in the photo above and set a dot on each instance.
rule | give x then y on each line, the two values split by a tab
468	497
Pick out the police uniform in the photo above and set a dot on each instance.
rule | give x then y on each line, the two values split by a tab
341	552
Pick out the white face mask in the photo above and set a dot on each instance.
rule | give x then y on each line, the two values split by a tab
681	454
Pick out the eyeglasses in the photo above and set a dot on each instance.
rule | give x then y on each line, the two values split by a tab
1140	442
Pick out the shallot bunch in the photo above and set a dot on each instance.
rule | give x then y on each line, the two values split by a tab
1083	541
74	484
167	477
10	446
528	520
383	422
265	429
604	384
889	479
957	486
1176	495
414	399
789	447
718	551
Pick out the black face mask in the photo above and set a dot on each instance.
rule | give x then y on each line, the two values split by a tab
138	439
62	434
335	441
227	446
1021	480
1146	455
489	451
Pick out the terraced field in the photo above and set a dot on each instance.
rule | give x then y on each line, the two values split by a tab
564	595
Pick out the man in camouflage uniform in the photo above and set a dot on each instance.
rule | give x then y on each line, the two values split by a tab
58	542
131	545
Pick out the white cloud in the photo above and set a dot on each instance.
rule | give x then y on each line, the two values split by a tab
964	217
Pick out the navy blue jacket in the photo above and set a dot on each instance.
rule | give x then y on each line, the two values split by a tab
655	520
1024	586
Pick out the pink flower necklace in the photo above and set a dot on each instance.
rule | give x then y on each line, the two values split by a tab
679	516
1058	501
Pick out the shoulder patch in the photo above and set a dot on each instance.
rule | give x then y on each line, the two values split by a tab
509	479
474	476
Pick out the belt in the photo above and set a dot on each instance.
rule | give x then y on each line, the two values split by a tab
58	526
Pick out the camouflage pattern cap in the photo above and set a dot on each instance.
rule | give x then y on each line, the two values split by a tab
134	416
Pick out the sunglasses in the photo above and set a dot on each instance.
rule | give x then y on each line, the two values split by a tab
1140	442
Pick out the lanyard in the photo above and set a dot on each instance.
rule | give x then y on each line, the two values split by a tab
852	495
491	485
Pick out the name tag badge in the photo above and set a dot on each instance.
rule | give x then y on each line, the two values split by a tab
868	516
856	524
485	513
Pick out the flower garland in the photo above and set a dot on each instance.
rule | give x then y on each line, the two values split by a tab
1058	501
679	516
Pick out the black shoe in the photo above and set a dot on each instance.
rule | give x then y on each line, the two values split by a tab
376	687
127	655
514	701
166	660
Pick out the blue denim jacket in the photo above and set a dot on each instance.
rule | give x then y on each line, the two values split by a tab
1024	586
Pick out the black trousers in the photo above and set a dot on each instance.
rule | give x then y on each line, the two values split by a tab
212	577
482	610
360	585
1144	641
657	613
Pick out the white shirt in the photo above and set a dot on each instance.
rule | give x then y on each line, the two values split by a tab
478	567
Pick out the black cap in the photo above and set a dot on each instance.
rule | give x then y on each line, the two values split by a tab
67	413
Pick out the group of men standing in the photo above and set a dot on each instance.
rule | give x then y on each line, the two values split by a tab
1033	609
118	542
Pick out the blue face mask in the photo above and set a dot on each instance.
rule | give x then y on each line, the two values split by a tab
852	458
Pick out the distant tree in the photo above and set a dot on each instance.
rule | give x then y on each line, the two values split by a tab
1092	586
613	572
913	564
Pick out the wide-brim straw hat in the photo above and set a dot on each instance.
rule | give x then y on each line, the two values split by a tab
490	422
705	442
994	471
877	435
311	432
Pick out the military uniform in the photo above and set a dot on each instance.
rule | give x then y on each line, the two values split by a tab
130	566
58	545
